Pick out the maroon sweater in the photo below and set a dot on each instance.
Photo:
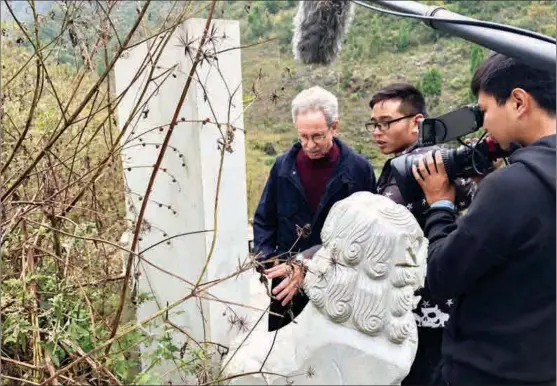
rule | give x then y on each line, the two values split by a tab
315	173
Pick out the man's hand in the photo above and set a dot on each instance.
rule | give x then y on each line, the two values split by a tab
432	178
293	278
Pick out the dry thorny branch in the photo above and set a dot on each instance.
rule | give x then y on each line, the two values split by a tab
65	301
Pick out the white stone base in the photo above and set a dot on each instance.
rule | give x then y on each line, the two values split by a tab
329	359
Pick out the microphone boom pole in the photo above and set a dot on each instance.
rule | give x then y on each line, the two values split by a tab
536	52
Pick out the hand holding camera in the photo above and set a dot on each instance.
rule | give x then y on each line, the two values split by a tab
432	177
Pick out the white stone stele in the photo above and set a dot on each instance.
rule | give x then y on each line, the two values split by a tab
193	161
358	327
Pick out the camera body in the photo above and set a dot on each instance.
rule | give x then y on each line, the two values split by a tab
463	162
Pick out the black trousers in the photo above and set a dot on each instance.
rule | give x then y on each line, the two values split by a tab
437	378
428	357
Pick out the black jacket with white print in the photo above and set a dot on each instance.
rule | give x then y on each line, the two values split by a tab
428	314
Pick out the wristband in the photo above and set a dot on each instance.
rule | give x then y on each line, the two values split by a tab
444	204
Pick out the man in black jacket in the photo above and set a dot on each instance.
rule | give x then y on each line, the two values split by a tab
395	111
497	262
304	183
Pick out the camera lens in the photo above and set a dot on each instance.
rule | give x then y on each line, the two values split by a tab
462	162
401	167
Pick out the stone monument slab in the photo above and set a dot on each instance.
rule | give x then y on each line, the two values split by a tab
183	197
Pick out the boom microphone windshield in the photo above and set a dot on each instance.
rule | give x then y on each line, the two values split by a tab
319	28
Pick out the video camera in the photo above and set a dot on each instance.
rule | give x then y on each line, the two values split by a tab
465	161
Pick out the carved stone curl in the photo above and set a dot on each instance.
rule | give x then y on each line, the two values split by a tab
358	327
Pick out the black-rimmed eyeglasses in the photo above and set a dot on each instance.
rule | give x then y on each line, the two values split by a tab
384	125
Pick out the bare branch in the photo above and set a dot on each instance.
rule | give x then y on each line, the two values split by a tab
75	114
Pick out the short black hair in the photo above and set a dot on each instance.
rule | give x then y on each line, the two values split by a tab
498	75
412	100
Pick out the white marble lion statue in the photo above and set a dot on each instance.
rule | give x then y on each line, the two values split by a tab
358	327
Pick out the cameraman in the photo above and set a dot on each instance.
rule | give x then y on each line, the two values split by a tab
497	262
395	112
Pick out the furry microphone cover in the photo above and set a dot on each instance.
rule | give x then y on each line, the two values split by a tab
319	29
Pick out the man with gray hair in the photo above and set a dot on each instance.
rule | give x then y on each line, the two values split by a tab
304	183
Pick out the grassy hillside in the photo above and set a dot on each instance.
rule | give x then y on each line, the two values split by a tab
379	49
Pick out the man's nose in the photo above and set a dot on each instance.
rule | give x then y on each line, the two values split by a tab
310	144
311	147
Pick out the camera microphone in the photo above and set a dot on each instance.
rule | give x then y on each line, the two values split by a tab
319	30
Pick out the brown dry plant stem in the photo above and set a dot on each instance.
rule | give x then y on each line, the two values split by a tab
36	96
115	146
78	110
230	377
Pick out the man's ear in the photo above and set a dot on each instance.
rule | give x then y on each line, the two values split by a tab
415	126
521	101
335	127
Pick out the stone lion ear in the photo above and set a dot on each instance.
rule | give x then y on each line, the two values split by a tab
407	259
412	256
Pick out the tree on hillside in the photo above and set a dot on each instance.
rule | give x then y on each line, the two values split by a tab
476	57
258	21
431	83
272	6
403	38
284	33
